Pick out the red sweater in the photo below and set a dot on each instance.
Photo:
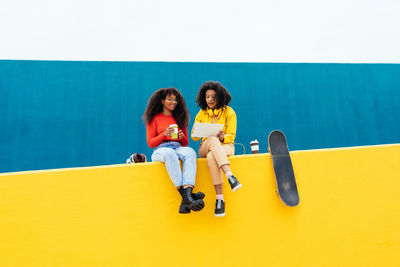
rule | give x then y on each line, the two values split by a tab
156	128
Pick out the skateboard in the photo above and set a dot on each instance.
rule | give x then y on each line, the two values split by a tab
284	175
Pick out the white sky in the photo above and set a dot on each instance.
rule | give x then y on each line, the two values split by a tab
207	30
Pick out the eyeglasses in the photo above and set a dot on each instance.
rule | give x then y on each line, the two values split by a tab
172	100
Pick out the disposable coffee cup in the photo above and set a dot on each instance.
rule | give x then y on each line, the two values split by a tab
254	147
174	134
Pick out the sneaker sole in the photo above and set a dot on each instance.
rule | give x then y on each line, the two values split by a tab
236	187
220	215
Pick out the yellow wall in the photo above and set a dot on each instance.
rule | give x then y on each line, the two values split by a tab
349	215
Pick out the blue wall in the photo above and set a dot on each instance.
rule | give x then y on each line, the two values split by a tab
58	114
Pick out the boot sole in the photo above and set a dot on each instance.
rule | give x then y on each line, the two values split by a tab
236	187
197	205
184	209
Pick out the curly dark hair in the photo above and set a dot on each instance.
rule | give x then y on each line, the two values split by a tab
154	106
223	96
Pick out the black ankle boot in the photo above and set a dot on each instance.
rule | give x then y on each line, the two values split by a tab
189	202
196	205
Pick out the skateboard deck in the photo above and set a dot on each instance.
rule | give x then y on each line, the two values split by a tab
284	175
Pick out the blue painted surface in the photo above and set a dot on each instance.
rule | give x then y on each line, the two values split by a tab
57	114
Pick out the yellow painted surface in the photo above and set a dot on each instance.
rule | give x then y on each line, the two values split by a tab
349	215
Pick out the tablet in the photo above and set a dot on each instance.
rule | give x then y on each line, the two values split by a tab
206	129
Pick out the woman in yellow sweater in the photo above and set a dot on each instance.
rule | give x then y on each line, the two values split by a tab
213	99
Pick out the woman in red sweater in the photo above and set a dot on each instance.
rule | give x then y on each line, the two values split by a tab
166	119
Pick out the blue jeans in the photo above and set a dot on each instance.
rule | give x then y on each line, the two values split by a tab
171	153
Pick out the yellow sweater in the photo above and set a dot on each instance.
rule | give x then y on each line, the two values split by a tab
225	115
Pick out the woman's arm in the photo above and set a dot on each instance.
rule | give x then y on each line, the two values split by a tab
185	139
197	119
153	139
231	121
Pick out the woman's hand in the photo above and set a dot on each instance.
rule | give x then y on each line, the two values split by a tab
221	136
180	134
169	131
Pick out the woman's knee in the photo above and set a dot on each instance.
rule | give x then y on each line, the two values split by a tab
191	152
210	157
169	154
187	153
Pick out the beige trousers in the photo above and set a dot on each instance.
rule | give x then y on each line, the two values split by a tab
217	155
